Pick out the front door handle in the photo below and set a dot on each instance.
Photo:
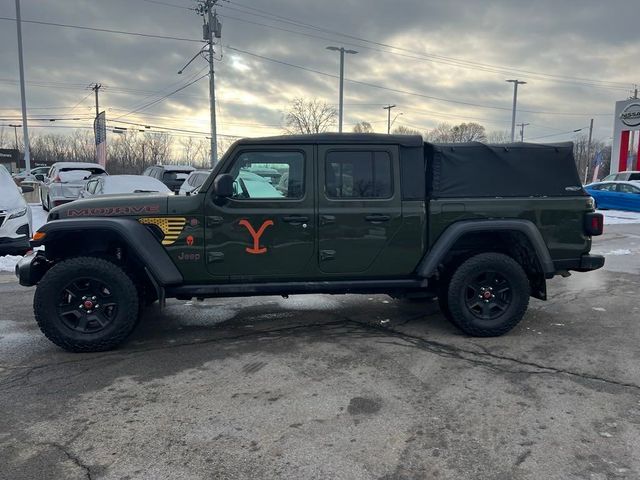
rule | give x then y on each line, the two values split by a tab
377	218
295	219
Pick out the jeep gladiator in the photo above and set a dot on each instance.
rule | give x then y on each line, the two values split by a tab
480	227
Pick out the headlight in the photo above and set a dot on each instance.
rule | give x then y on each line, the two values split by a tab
19	212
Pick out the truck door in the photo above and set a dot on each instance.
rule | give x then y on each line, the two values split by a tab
267	227
360	207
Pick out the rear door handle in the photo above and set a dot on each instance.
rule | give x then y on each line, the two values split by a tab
295	219
377	218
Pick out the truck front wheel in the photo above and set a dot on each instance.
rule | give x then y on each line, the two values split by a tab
86	304
488	295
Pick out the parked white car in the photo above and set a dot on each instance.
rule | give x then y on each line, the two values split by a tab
64	181
30	175
193	181
114	184
15	216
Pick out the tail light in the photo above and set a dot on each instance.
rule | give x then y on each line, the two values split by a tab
57	179
593	224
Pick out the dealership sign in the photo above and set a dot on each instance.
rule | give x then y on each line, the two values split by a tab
630	116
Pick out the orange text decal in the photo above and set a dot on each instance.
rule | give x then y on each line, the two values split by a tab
256	235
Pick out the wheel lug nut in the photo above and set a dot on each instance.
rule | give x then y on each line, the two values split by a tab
93	298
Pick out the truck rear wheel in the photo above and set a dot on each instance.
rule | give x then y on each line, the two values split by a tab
488	295
86	304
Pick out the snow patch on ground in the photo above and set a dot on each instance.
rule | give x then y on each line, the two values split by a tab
621	251
8	263
618	217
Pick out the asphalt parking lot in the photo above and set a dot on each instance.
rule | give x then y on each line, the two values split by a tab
344	387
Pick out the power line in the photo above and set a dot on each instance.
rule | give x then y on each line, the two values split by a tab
422	56
143	107
106	30
406	92
305	68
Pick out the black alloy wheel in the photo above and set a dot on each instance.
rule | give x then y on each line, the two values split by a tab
488	295
87	305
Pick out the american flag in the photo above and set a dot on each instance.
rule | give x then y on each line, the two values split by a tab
100	130
598	160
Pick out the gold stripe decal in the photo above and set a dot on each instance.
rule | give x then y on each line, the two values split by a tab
171	227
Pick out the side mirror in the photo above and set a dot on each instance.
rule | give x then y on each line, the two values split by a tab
223	185
40	177
27	188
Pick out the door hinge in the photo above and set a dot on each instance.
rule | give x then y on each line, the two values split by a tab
327	219
214	257
327	255
212	221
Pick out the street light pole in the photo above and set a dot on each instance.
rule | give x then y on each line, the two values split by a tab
513	112
342	51
25	130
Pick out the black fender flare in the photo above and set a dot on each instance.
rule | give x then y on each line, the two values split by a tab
429	264
138	239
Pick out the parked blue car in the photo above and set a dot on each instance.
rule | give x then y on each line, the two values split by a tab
616	195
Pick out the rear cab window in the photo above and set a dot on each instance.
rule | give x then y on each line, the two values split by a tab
358	175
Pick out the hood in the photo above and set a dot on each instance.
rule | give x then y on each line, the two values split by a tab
10	195
127	205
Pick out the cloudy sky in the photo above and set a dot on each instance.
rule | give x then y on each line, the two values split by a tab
438	61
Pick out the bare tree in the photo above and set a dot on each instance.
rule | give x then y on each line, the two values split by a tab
309	116
465	132
402	130
363	127
4	143
440	134
468	132
499	136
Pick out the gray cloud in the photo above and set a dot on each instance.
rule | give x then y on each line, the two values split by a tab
576	39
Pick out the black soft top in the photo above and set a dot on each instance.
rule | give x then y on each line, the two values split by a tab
510	170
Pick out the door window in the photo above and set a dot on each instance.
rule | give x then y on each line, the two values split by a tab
626	188
609	187
268	175
91	186
358	174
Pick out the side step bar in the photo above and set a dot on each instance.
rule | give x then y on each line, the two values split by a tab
292	288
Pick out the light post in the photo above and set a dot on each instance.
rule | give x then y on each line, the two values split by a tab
513	112
342	51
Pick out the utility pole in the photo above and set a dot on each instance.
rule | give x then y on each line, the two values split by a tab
388	109
513	112
96	87
586	169
25	130
522	125
15	132
342	51
211	28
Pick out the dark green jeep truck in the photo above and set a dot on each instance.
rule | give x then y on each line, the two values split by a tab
480	227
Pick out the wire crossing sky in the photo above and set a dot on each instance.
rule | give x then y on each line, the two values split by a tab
437	61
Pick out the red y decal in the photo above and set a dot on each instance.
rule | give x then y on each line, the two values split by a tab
256	235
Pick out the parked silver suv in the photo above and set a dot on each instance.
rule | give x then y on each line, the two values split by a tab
64	182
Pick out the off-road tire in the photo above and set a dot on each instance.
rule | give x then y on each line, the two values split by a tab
506	309
53	288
